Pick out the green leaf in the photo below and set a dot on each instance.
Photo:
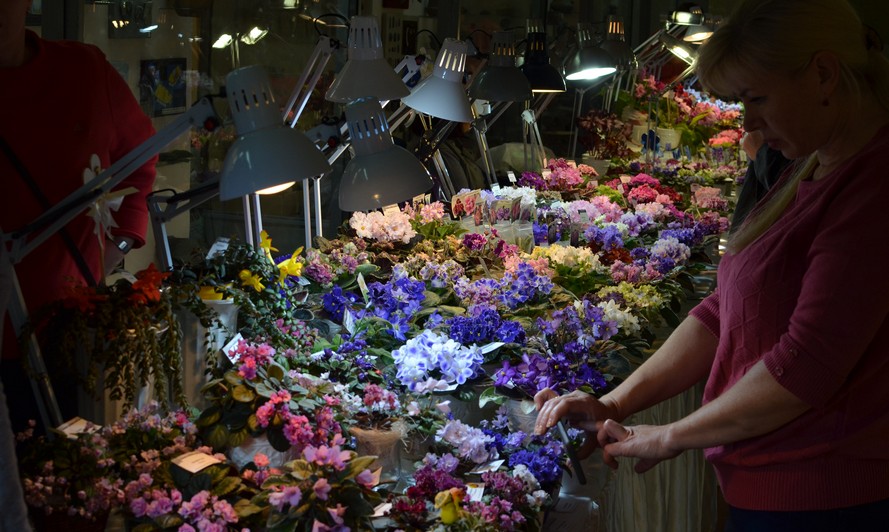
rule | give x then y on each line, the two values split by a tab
243	394
359	464
235	439
217	437
490	395
208	417
670	317
228	485
301	469
275	371
233	378
245	508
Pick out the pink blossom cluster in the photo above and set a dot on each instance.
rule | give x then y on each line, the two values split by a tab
251	356
726	138
634	273
378	398
298	429
710	198
207	512
426	213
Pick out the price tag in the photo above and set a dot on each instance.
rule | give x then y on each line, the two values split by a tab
388	210
381	510
584	216
195	461
218	247
303	281
349	321
78	425
230	347
495	188
511	176
419	199
546	174
493	346
594	183
362	285
621	189
625	179
487	468
475	491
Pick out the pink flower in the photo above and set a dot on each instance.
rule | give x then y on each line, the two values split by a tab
138	507
290	495
366	479
261	460
321	488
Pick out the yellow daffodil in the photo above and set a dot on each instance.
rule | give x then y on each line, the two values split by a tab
248	279
210	293
292	266
266	244
448	502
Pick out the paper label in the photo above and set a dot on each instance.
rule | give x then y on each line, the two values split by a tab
218	247
495	188
625	179
381	510
78	425
584	216
229	349
487	468
419	199
195	461
594	183
493	346
348	321
362	285
511	176
620	189
303	281
475	491
390	209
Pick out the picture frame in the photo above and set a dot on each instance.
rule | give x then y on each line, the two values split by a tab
163	86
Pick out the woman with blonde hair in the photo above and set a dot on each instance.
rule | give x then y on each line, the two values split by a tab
794	342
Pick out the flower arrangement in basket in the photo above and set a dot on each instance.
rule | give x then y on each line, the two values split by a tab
125	335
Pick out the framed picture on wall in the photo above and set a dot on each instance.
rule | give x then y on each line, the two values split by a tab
162	86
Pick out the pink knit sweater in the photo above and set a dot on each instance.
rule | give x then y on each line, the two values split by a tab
811	298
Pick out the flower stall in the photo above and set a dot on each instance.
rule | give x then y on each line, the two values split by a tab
383	379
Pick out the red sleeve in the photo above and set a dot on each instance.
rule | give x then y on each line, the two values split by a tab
707	312
130	128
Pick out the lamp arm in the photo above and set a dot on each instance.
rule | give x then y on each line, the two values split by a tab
314	68
162	208
62	213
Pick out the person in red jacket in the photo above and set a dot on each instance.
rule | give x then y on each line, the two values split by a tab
794	343
65	110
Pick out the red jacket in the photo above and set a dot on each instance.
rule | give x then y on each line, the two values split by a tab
59	109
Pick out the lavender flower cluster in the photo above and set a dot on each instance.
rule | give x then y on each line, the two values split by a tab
429	358
518	286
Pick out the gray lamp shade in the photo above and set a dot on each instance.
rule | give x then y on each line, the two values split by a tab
380	173
590	62
678	47
266	154
542	76
366	73
500	80
441	94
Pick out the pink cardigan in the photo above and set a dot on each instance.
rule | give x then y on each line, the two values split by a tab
811	298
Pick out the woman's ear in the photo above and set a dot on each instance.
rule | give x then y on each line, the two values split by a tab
827	68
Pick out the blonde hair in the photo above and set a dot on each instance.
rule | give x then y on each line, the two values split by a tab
767	36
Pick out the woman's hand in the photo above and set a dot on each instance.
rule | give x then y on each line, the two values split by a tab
580	409
647	442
